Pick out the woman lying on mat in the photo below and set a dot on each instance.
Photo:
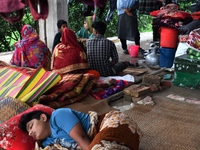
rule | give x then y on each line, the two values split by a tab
74	130
30	51
68	55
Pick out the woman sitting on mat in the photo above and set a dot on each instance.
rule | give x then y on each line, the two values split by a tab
68	56
30	51
72	129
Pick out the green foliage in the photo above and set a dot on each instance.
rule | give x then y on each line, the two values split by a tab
185	5
76	19
145	23
75	16
10	32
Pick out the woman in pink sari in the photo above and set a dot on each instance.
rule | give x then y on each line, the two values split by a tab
69	56
30	51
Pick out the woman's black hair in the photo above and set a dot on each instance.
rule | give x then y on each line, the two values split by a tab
60	23
25	118
99	26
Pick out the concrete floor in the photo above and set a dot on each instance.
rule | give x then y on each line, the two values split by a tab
187	93
145	39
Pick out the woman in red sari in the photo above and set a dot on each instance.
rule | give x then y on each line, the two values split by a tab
68	56
30	51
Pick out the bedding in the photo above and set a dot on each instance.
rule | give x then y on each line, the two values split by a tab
105	133
12	138
105	88
72	88
170	11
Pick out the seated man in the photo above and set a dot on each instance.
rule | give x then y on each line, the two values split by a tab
102	53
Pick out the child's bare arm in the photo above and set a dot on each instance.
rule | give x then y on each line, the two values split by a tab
80	136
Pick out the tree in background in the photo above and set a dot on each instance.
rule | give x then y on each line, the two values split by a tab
10	33
76	19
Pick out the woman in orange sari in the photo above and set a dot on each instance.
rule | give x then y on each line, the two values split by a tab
68	56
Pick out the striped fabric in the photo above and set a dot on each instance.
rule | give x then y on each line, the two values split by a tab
39	83
26	87
11	82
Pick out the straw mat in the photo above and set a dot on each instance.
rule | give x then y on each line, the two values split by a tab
168	125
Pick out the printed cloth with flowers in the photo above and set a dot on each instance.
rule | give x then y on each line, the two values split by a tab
194	39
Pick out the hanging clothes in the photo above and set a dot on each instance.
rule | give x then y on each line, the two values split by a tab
43	9
90	5
13	10
112	8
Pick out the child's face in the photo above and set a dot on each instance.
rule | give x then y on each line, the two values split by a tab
63	26
38	129
86	25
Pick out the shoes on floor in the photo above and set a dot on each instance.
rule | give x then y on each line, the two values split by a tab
141	50
125	51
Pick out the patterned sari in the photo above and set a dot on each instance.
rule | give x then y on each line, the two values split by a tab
68	55
31	51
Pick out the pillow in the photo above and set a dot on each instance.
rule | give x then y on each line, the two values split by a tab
155	13
173	15
10	107
12	138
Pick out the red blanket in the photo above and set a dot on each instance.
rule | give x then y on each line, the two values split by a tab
72	88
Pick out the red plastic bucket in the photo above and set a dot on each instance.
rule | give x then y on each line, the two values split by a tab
168	37
133	50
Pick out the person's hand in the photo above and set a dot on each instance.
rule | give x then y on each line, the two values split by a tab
82	40
127	11
112	63
129	14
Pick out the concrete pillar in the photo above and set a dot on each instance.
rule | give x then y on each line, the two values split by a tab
58	9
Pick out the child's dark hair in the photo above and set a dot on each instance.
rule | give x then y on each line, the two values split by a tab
61	22
99	26
25	118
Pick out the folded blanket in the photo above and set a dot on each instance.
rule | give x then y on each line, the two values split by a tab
72	88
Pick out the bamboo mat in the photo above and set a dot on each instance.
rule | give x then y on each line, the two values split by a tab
168	125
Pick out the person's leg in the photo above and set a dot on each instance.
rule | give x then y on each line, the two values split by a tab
156	35
120	66
124	46
137	38
137	41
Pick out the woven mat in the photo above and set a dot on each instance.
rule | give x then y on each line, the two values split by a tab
10	107
91	104
168	125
